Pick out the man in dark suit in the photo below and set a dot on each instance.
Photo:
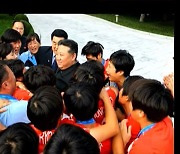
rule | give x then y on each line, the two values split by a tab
46	54
18	25
66	58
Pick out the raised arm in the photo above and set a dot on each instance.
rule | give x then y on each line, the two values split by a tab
118	144
125	131
169	82
111	127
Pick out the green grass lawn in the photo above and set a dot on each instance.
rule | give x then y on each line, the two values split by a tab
152	23
5	22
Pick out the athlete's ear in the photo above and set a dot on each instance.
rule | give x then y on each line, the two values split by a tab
141	113
120	73
4	84
99	56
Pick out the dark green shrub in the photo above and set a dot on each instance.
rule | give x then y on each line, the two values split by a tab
28	29
21	17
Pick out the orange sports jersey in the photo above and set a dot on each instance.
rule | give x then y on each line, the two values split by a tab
21	94
159	139
99	116
43	137
67	119
135	129
105	146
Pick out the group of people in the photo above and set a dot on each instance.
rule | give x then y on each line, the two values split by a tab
50	103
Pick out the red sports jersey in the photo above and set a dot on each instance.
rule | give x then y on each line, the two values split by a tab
135	129
21	94
105	146
67	119
43	137
157	140
99	116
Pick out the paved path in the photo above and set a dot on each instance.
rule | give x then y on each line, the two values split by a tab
153	53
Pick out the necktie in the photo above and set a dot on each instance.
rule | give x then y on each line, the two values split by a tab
33	60
54	64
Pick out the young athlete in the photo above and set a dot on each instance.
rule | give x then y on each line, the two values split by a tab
151	106
44	111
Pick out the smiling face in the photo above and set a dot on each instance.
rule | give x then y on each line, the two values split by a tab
18	26
115	76
64	59
16	46
55	41
111	72
33	46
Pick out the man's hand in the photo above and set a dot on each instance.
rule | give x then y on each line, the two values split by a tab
3	103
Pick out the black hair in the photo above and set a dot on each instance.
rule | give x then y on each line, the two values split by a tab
37	76
123	60
128	81
5	49
71	139
92	48
19	138
10	35
81	100
59	33
91	72
150	96
17	67
45	108
31	37
71	44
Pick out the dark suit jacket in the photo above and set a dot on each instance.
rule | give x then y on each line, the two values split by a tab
44	56
64	77
28	63
23	45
